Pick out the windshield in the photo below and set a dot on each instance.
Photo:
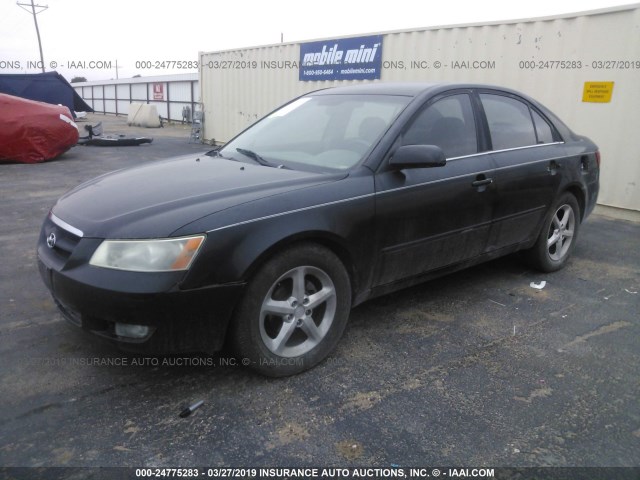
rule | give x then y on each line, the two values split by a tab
318	133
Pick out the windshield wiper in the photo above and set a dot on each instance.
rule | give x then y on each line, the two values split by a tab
257	158
215	152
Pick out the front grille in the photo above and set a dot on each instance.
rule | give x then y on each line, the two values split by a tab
65	242
64	245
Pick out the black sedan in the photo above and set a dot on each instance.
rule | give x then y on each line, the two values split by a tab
341	195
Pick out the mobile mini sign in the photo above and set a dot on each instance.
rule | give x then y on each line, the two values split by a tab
344	59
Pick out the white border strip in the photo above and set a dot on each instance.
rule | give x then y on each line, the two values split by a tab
65	226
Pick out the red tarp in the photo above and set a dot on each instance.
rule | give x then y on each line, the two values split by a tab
32	132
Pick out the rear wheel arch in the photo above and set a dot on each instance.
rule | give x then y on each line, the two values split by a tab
557	237
580	197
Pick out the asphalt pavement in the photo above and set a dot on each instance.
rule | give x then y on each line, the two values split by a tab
475	369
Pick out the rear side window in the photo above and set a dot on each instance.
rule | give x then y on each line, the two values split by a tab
447	123
510	122
543	129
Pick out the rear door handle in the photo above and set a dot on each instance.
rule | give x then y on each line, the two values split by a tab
483	182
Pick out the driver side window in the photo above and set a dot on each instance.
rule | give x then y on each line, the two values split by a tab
447	123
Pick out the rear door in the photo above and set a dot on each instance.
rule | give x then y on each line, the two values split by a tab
429	218
528	155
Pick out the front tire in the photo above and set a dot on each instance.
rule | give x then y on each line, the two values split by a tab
558	236
293	312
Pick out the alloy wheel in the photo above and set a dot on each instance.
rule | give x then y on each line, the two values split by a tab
561	232
297	311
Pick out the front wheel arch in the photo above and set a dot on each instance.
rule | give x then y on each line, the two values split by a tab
330	242
293	311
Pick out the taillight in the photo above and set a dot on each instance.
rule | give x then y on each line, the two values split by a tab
598	158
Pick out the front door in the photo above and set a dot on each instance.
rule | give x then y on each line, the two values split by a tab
430	218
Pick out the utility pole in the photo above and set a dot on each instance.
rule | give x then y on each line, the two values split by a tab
35	20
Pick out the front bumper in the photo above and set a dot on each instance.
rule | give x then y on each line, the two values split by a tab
96	299
179	321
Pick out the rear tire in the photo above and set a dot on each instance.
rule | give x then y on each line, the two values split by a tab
293	311
558	236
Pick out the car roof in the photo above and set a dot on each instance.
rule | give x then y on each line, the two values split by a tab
379	88
424	89
411	89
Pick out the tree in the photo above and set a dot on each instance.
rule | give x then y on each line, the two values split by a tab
78	79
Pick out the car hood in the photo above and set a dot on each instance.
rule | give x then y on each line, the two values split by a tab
156	199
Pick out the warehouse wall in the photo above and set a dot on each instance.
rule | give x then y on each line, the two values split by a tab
169	93
240	86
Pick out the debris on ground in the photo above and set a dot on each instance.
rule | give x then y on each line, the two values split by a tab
95	138
191	408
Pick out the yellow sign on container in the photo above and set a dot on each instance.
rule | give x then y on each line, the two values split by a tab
597	92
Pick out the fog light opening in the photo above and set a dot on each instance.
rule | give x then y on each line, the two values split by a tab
132	331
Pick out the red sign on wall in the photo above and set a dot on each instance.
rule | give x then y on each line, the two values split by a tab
158	91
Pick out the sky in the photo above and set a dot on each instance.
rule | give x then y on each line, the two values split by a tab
81	38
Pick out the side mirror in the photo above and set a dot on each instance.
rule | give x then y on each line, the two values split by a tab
417	156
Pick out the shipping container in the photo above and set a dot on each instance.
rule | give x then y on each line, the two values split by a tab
584	66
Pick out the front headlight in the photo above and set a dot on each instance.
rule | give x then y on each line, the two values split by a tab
163	255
